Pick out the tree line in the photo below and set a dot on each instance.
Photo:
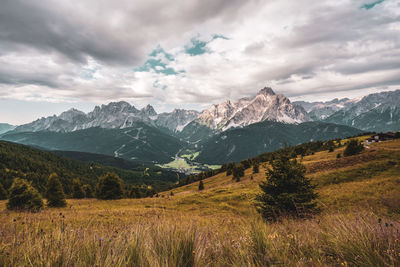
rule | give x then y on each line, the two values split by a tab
23	196
35	166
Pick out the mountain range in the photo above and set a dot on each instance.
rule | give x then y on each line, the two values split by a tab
5	127
321	110
375	112
228	131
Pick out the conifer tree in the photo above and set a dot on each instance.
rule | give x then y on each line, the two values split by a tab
353	147
286	191
3	193
238	171
201	185
54	192
110	186
77	190
23	196
87	188
256	168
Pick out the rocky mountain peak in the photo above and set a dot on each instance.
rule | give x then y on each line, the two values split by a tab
149	110
266	91
266	105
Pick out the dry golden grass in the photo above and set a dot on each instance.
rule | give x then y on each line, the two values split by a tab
219	226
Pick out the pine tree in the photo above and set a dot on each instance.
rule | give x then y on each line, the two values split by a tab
87	188
110	186
77	190
286	191
238	171
23	196
54	192
201	185
256	168
3	193
353	147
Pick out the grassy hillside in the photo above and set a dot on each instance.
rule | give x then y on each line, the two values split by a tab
359	224
36	165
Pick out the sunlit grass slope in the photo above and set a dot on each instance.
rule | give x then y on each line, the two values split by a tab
359	197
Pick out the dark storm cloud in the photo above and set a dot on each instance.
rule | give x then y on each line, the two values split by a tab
115	32
93	50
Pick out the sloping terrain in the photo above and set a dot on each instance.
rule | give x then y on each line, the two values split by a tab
242	143
375	112
218	226
36	165
140	141
5	127
369	180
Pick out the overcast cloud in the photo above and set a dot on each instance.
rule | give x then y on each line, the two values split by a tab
191	53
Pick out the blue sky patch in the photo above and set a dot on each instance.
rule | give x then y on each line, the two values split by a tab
371	5
200	47
156	64
197	48
219	36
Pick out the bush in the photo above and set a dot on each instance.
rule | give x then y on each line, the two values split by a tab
88	191
23	196
256	168
338	156
286	191
77	190
110	186
397	135
201	185
3	193
54	192
238	171
353	147
245	163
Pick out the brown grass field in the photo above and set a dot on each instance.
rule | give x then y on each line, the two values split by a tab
359	198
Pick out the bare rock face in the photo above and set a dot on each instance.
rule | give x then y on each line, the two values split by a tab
176	120
322	110
375	112
266	105
114	115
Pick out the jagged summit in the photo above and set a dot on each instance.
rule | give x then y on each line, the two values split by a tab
266	105
266	91
149	111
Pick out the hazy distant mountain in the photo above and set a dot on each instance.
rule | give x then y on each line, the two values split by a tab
241	143
265	106
375	112
322	110
5	127
115	115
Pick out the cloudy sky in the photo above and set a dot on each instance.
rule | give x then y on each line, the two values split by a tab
58	54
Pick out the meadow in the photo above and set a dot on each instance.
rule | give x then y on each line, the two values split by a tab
359	199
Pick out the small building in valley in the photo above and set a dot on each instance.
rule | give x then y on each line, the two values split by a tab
380	137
